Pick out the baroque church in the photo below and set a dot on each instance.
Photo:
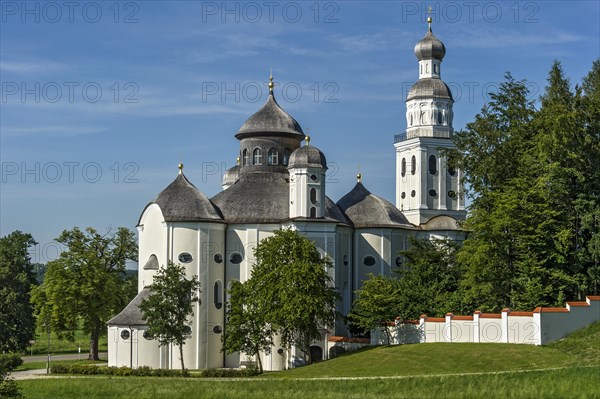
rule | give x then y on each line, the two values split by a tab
279	182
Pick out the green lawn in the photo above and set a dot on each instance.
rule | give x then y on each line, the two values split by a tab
57	346
568	383
570	369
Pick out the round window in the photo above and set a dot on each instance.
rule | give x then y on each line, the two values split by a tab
187	330
314	177
185	257
217	329
147	335
280	351
369	261
218	258
236	258
451	193
432	193
125	334
399	261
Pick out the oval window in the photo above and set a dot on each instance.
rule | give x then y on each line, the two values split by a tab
399	261
125	334
369	261
413	165
217	329
148	336
413	193
403	195
236	258
432	193
451	193
451	170
439	115
185	257
187	330
314	177
280	351
218	258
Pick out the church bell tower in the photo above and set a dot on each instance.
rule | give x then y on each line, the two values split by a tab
427	184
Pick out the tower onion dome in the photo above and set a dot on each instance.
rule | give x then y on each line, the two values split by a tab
270	120
231	175
430	47
429	88
307	156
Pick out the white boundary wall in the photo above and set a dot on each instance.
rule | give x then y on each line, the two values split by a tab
539	327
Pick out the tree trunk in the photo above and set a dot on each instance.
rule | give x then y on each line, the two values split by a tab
94	337
260	366
181	356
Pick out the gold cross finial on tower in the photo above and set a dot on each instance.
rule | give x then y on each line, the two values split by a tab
271	84
180	167
358	177
429	11
307	138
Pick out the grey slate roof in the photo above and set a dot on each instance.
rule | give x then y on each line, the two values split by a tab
263	197
430	47
364	209
131	315
306	157
270	120
428	88
441	222
152	263
182	202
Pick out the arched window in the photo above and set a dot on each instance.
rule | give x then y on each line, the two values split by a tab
413	165
257	157
451	167
273	156
403	167
432	164
410	117
313	212
313	196
286	156
217	288
434	68
439	114
245	159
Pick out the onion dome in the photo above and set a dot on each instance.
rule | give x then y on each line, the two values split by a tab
182	202
231	176
430	47
364	209
270	120
429	88
307	156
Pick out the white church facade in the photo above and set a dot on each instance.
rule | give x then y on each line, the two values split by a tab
279	182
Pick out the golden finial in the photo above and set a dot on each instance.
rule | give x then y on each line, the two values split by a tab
180	167
429	11
358	177
271	84
307	138
237	161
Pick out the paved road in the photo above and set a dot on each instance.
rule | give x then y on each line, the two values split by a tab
66	356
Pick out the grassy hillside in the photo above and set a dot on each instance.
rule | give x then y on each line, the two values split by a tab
408	371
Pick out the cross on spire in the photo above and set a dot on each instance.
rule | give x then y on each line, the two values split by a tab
429	12
271	84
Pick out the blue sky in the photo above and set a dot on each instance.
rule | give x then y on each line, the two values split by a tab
101	100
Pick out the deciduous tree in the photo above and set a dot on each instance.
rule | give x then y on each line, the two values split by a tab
17	324
86	283
170	306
